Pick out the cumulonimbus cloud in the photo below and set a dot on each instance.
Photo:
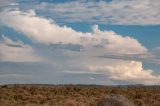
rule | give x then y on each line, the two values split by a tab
132	71
46	31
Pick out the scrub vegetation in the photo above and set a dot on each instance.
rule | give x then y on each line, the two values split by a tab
75	95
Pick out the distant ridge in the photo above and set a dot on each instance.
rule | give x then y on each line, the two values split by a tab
85	85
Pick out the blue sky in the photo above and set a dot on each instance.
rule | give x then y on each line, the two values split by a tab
80	41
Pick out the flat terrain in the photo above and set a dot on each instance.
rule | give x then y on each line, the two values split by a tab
74	95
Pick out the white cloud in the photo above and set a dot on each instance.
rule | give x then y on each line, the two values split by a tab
128	12
15	75
16	51
85	63
80	72
91	78
6	1
94	43
132	71
45	31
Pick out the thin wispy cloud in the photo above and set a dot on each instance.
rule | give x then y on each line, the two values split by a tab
121	12
16	51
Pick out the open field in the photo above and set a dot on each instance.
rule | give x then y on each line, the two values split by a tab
74	95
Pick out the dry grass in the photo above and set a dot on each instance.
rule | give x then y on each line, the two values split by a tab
27	95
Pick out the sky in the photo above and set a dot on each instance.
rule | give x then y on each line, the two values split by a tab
103	42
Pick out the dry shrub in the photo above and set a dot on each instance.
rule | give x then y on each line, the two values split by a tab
71	103
115	100
139	102
71	95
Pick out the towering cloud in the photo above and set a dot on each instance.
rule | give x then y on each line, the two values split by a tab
132	71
